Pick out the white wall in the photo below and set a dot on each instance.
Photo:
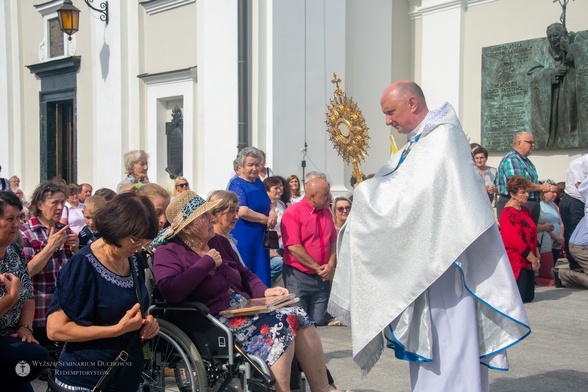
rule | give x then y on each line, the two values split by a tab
11	135
307	46
297	45
215	138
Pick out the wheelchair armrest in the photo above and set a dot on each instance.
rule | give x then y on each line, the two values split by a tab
188	305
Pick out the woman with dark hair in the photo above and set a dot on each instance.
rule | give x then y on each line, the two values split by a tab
285	198
17	304
341	210
255	212
97	307
473	146
488	173
275	190
47	244
519	235
72	214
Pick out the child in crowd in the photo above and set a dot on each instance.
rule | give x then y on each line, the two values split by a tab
89	234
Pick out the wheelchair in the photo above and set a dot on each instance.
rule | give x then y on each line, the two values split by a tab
195	352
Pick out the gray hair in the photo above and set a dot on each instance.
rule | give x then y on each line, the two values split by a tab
519	135
249	152
132	157
315	174
228	200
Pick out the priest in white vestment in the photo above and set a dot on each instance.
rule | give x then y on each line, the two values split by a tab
421	265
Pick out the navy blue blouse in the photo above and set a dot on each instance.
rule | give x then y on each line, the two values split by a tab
90	294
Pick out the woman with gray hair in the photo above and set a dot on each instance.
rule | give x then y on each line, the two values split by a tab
255	212
136	165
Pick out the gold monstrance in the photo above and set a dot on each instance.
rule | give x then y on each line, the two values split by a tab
347	129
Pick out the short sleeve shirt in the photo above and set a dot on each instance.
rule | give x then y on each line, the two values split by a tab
516	164
14	262
90	294
313	229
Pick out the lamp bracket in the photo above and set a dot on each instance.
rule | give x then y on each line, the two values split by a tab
103	10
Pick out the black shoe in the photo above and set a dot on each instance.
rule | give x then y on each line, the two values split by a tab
556	279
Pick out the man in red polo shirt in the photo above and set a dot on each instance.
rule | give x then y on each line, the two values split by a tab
309	238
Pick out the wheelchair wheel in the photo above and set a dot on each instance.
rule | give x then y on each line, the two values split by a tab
172	363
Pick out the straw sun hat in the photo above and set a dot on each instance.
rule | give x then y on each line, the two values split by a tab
182	210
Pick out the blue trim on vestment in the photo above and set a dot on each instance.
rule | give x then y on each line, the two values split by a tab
494	309
401	353
404	154
494	367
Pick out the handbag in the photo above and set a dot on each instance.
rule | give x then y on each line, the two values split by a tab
120	359
271	239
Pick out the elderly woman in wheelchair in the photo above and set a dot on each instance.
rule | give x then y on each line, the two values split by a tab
192	263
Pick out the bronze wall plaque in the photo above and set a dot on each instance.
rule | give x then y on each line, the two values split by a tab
175	144
527	86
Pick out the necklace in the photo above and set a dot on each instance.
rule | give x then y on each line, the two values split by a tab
117	270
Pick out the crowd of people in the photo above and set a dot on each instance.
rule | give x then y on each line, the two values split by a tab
71	282
537	218
72	287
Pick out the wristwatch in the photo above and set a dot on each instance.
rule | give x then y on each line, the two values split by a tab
26	326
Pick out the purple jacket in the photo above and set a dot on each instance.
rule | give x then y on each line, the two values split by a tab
183	275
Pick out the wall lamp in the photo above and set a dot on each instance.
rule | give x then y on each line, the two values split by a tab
69	15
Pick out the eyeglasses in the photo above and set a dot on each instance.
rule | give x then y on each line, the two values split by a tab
529	141
183	185
139	243
341	209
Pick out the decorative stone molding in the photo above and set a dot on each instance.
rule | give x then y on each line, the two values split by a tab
427	7
156	6
472	3
56	67
49	12
49	7
179	75
420	8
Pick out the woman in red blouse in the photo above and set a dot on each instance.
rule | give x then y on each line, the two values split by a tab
519	235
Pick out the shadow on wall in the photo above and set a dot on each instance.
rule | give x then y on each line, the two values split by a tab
105	60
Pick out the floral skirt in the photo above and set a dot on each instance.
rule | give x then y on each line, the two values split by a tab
268	335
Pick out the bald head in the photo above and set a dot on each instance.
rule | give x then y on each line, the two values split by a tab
523	143
318	193
404	105
406	89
